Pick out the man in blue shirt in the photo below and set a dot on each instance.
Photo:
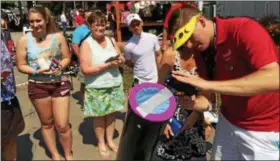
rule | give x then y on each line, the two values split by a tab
80	34
12	122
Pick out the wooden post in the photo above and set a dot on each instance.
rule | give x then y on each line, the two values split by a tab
118	29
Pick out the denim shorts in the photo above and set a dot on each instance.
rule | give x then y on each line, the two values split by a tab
43	90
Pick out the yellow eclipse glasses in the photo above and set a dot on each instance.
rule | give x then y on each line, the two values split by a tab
184	33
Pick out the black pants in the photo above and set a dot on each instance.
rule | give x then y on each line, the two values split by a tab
139	136
12	122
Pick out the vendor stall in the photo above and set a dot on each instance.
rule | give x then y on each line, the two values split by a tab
146	9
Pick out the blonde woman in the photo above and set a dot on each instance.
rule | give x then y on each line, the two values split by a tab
43	54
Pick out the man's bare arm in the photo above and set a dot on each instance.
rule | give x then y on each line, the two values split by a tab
158	58
76	49
264	80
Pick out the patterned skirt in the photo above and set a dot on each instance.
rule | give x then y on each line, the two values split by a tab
101	102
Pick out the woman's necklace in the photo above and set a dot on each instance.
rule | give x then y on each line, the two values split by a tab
179	67
41	38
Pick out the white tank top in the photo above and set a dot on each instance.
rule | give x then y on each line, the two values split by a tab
108	78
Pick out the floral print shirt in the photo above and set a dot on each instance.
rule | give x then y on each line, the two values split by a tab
8	88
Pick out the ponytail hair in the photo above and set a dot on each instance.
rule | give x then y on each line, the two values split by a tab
51	26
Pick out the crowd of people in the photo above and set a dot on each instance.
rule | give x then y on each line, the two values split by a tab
233	57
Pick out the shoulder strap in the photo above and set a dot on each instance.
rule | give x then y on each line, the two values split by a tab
87	35
114	45
120	68
29	39
54	42
112	42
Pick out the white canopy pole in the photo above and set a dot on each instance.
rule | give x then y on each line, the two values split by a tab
200	5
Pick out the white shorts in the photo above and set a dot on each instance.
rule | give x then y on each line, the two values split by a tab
234	143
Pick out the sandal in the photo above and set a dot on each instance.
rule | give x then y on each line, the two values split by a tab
114	149
71	156
104	153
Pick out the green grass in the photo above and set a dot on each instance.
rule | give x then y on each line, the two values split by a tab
127	82
127	79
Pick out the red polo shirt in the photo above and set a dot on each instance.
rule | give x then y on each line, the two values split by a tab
79	20
242	47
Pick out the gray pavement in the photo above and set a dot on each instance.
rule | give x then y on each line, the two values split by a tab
30	144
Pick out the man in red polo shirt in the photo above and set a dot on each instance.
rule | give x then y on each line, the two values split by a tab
238	59
79	19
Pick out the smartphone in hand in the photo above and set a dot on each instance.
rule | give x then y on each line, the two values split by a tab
112	58
54	64
175	125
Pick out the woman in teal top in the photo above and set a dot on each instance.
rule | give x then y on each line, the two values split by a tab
43	54
104	93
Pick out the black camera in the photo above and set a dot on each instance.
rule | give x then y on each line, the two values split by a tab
182	87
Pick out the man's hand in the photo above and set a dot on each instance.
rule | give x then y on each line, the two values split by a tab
168	131
193	80
262	81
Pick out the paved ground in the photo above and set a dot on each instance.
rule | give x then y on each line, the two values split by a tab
30	142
